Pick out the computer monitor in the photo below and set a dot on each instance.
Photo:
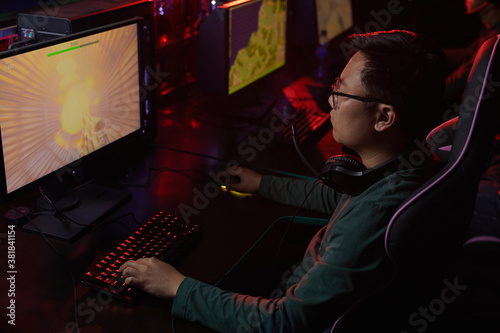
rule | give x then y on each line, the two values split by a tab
334	17
241	42
62	102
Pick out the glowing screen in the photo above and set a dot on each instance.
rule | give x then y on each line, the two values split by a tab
61	102
334	16
257	42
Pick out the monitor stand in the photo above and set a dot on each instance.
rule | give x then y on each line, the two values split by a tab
70	218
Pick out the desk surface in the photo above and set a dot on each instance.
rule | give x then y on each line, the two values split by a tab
192	139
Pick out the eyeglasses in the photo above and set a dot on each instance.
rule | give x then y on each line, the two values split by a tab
336	94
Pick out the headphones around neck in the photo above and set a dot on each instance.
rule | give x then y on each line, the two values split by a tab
346	174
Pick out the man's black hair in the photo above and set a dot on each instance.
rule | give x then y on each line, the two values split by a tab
407	71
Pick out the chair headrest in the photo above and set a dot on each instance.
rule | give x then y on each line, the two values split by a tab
432	222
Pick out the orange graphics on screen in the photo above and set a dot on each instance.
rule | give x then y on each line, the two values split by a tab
64	101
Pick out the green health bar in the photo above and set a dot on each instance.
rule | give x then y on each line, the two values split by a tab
71	48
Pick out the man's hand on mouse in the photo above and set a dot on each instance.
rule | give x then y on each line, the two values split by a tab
249	181
152	276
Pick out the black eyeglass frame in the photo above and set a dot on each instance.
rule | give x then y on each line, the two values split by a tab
335	101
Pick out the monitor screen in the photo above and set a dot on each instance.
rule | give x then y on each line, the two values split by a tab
334	17
257	41
64	99
241	42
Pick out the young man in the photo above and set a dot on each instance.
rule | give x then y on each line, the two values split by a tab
380	105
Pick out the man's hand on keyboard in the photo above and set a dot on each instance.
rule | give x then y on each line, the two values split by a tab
152	276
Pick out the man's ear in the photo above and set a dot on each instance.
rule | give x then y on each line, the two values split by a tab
385	117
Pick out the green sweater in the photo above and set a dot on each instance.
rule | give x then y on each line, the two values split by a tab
343	263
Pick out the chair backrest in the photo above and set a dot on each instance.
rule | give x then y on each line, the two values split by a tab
425	235
440	139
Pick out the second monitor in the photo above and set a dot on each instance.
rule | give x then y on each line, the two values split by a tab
241	42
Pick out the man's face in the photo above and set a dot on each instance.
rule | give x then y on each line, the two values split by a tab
351	120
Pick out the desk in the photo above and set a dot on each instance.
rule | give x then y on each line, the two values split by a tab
192	139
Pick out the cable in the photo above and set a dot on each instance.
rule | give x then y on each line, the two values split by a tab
57	213
162	169
315	173
275	261
191	153
284	173
73	280
173	324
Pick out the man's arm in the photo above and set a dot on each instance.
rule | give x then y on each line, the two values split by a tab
335	277
309	193
286	190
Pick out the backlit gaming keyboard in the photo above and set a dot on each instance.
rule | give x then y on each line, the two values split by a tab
308	124
163	237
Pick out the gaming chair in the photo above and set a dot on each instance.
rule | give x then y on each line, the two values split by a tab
425	235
